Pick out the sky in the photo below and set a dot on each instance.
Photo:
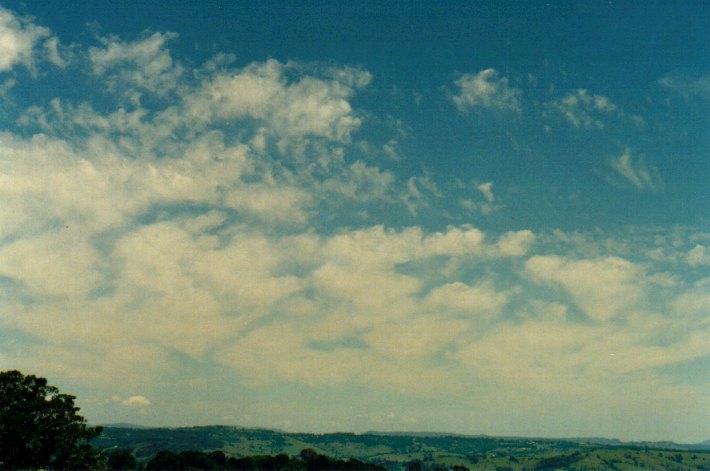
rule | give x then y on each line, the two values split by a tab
473	217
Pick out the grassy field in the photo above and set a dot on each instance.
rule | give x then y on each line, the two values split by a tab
394	451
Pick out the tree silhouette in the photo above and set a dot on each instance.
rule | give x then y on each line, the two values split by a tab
121	460
40	428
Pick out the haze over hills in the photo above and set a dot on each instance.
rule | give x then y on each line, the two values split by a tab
596	440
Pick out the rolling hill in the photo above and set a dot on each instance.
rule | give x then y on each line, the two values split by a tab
395	450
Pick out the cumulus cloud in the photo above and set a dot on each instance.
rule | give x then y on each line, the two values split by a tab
462	299
18	39
145	64
307	106
515	243
486	89
636	172
698	256
603	288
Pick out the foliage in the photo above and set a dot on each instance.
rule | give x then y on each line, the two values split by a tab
558	462
308	460
39	427
394	451
121	460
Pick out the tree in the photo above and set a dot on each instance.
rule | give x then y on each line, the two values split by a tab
121	460
166	460
39	427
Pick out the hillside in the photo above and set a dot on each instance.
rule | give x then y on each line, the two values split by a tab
395	450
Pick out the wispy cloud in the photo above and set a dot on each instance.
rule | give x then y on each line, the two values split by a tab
687	85
487	190
486	89
636	172
133	401
585	110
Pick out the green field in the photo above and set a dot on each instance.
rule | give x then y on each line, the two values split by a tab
435	451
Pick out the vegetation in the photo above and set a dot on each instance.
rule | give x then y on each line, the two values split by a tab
39	427
262	449
308	460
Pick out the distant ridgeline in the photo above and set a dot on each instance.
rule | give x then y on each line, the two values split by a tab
241	448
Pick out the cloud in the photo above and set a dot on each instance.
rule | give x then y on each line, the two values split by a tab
486	89
515	243
571	360
485	207
361	182
18	38
133	401
52	48
585	110
687	86
188	236
58	263
698	256
461	299
636	173
487	190
145	64
603	288
419	192
305	106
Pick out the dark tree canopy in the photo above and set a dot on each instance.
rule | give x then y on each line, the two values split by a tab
39	427
121	460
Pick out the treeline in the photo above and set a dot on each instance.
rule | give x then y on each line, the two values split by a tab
194	460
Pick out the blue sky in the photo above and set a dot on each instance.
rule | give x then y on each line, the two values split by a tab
474	217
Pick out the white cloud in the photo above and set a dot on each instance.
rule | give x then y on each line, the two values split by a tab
18	38
486	89
569	360
585	110
603	288
415	338
58	263
698	256
487	190
419	192
145	63
52	49
132	401
515	243
461	299
306	106
637	173
278	203
687	86
361	182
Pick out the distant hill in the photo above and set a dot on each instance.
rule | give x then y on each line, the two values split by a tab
394	450
124	425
